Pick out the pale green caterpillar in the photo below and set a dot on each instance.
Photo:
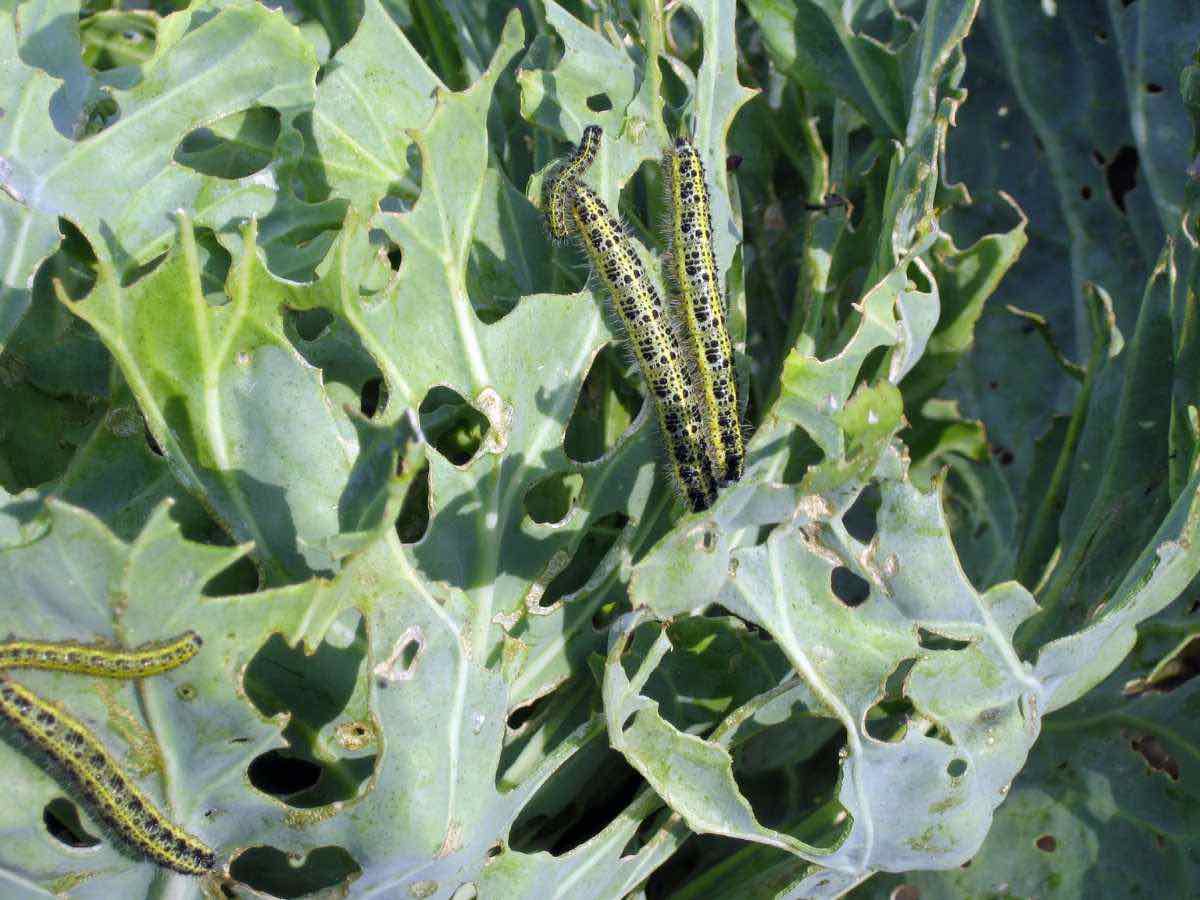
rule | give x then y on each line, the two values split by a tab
83	760
693	267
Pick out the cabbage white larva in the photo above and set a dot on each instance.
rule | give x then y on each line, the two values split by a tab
558	188
654	341
97	659
693	267
82	759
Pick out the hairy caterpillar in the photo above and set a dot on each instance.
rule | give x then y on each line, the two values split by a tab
80	756
558	187
94	659
693	268
654	341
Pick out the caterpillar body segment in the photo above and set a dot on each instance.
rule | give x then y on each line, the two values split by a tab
558	187
655	344
99	660
85	762
693	267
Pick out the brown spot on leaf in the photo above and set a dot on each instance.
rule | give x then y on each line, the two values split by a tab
1156	755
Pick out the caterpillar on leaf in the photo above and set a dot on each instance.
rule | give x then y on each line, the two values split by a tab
654	341
97	659
83	759
693	268
558	186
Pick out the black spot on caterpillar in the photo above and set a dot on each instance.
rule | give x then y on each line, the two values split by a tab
693	267
80	757
652	337
558	186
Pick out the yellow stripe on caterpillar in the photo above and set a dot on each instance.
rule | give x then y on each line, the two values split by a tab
90	768
98	659
655	343
693	268
558	187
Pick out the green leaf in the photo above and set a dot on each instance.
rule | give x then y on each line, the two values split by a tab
210	381
208	63
1106	803
184	735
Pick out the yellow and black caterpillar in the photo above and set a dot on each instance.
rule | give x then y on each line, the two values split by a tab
82	759
654	341
688	364
693	268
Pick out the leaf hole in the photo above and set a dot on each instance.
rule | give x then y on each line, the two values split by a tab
607	404
931	640
112	39
803	454
599	102
310	324
138	272
395	256
413	520
1170	674
576	803
215	263
674	90
1046	843
241	577
61	818
861	519
550	500
277	874
888	719
233	147
957	768
451	425
527	712
370	397
595	545
603	618
283	776
401	663
312	689
1152	88
803	750
73	265
848	587
686	35
99	115
1121	175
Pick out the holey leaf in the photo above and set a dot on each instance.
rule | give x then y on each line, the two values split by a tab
220	387
867	600
185	737
99	150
